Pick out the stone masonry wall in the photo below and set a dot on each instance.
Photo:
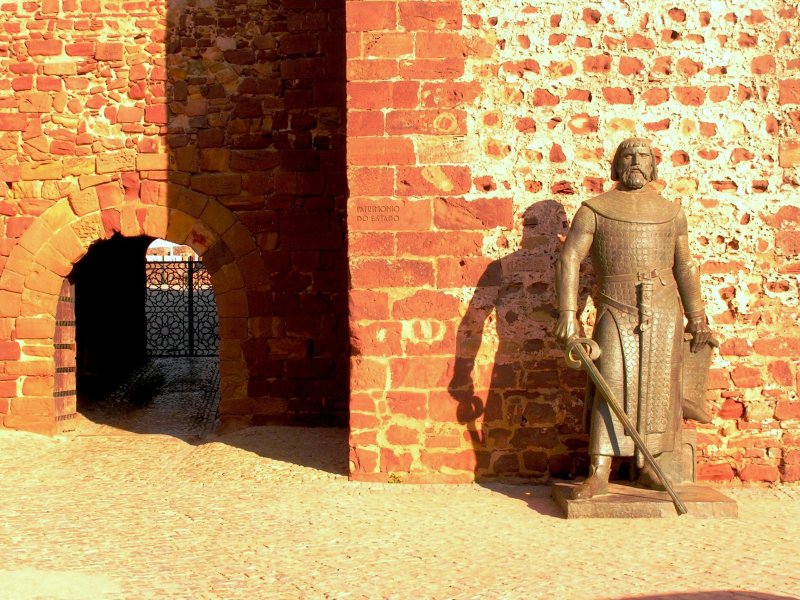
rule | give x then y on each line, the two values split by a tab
215	124
475	131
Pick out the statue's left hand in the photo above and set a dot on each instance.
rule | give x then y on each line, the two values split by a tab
701	334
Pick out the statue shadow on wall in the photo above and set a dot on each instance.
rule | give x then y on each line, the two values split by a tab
530	424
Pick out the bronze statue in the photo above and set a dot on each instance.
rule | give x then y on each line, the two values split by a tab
646	283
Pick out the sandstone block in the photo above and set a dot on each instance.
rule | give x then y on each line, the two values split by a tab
84	201
109	51
746	377
780	346
367	214
392	151
60	68
44	47
442	243
461	461
152	162
368	374
109	195
10	173
433	180
789	91
402	436
115	162
391	273
35	102
9	350
375	16
80	49
157	114
789	154
371	181
755	472
368	305
217	184
786	410
215	159
39	171
430	16
465	272
616	95
479	214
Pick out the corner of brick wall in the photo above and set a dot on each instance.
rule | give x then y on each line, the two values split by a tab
474	133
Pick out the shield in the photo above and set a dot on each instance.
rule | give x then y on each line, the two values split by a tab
695	380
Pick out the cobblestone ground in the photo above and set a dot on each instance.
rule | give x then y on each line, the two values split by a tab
173	396
268	513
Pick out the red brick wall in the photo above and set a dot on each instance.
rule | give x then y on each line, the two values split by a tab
218	125
475	130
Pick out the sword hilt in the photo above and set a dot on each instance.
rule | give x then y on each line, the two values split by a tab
589	346
645	304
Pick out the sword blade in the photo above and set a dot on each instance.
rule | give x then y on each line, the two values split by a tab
578	349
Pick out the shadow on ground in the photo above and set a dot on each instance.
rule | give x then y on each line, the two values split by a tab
537	497
712	595
179	397
323	449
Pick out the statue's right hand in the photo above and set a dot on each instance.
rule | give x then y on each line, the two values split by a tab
566	327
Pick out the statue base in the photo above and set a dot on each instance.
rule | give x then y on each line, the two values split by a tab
630	502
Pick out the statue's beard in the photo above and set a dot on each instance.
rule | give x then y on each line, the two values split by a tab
633	178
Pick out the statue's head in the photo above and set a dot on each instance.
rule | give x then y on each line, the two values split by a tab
634	164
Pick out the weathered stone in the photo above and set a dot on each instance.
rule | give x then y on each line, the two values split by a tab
152	162
35	102
41	171
115	162
222	184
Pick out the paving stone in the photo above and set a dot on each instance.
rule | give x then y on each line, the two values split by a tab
110	512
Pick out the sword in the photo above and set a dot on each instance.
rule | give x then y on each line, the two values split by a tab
577	356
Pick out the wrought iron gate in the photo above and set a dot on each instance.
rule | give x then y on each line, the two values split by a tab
180	309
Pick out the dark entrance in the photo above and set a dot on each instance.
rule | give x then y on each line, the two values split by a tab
144	355
109	313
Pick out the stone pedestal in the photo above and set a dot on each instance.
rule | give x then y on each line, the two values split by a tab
629	502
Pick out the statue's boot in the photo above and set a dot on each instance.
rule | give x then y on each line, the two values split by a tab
649	479
596	483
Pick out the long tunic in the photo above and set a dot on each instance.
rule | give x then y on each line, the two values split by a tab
633	261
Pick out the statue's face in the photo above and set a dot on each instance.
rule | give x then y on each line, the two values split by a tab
635	167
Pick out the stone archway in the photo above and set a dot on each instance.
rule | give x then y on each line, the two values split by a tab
60	237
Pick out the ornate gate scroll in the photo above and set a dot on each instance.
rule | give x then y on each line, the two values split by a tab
180	310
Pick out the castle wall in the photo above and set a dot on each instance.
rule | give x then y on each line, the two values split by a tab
219	125
475	131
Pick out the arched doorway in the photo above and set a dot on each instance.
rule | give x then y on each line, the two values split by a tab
144	337
58	240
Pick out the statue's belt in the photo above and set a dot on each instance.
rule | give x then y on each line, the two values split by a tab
663	276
